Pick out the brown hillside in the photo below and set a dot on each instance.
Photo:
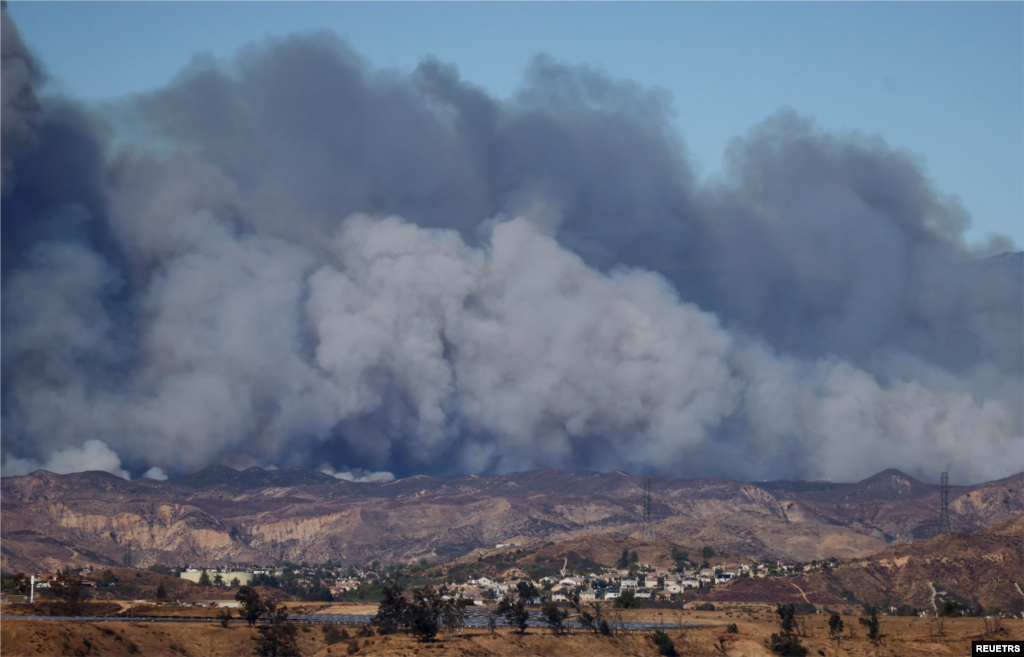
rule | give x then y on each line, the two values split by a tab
220	515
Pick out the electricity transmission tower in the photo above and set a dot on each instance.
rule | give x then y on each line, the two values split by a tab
944	524
647	531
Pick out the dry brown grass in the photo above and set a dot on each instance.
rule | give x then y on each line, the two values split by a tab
903	637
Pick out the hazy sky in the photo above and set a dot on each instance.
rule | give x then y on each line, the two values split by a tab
944	81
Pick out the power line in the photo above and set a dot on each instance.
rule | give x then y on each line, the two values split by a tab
944	524
647	531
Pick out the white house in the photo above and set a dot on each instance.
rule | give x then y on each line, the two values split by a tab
244	579
628	583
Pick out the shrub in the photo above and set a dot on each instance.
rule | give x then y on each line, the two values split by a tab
732	629
332	634
835	625
665	645
787	645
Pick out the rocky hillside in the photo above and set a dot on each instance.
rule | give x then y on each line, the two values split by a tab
221	515
984	567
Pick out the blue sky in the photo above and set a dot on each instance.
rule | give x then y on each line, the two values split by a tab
944	81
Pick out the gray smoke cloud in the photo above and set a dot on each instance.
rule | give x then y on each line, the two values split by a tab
293	259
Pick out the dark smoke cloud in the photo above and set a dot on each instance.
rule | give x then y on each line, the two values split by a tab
293	259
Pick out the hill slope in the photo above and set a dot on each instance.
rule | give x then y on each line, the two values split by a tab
221	515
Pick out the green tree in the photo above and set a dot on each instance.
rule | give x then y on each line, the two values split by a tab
527	591
393	612
587	621
835	625
19	584
786	643
424	616
515	613
161	592
453	615
787	618
204	578
623	561
69	589
871	623
664	644
218	579
554	617
235	582
252	606
626	600
949	609
633	558
707	552
277	638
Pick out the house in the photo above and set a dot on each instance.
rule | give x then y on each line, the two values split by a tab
15	599
245	579
588	596
628	583
674	587
643	594
347	584
610	594
559	596
691	583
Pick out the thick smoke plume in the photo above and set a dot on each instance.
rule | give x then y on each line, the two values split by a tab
293	259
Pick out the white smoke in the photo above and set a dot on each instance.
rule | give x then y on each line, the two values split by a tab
358	476
344	274
93	455
155	473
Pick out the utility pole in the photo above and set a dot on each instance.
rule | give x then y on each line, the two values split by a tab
648	528
944	524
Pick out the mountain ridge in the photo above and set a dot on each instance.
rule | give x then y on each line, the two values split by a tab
218	515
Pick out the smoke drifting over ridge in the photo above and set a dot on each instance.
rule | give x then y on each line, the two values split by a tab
293	259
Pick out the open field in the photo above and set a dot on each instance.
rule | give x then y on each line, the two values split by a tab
902	637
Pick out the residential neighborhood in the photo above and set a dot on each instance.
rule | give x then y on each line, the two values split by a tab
326	582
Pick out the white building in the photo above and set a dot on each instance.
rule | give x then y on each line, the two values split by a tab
244	579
